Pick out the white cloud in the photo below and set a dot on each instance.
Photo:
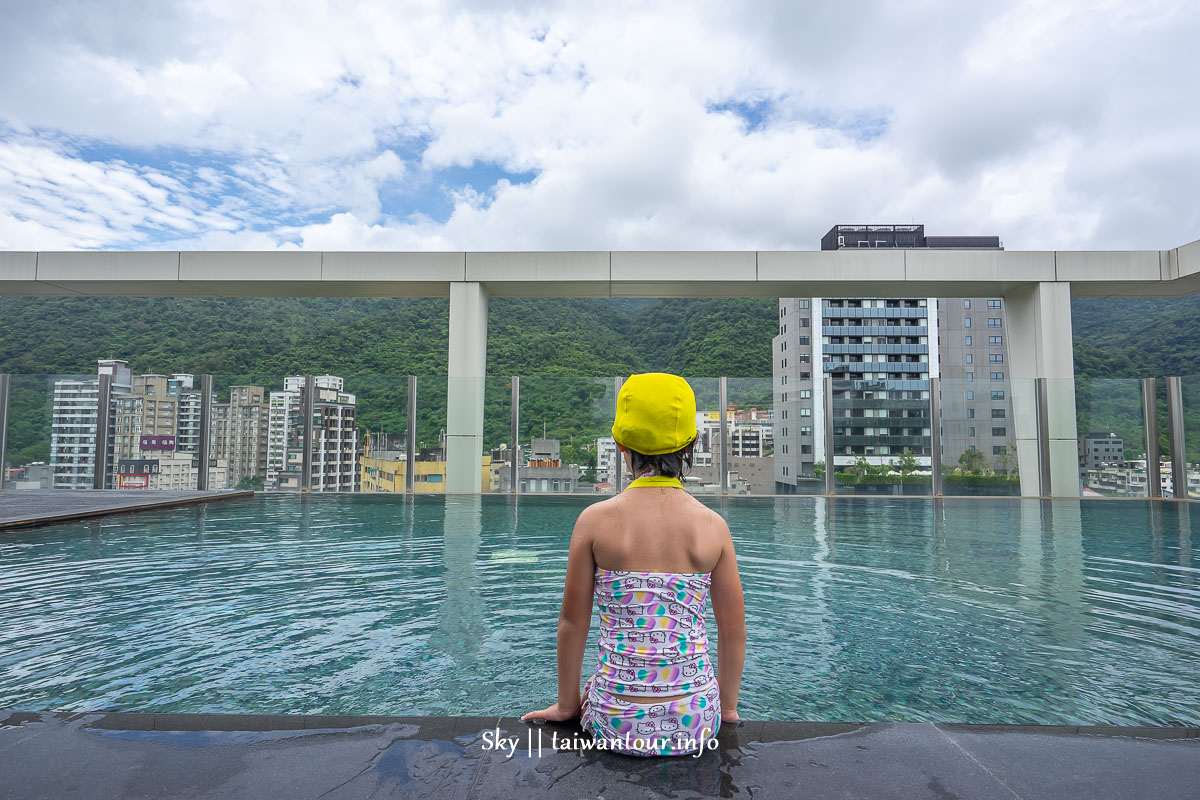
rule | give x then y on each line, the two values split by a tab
322	125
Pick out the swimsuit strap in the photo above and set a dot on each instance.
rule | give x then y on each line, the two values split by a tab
655	480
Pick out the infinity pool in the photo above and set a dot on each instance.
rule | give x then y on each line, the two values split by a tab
972	610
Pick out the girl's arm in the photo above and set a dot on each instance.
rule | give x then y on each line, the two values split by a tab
573	621
729	610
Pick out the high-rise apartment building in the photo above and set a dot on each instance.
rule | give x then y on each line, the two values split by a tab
73	426
146	418
881	353
334	451
239	430
283	417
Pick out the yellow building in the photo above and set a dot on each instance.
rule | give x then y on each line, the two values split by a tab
387	474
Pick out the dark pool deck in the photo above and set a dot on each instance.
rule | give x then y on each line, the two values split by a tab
111	755
21	508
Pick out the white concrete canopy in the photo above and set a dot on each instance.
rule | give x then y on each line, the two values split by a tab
602	273
1037	285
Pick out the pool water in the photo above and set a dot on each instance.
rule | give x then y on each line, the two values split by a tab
972	610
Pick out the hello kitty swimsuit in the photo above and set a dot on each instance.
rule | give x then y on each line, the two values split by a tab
652	642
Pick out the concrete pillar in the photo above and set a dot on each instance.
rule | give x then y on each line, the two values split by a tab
1038	320
464	387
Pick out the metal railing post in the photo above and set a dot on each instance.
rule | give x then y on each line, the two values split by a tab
830	488
513	470
723	399
1150	426
410	439
204	447
100	452
1176	437
1040	389
4	384
618	459
935	436
307	428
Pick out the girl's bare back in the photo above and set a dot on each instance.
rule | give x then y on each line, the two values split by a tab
657	529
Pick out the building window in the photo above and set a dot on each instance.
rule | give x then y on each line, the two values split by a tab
966	322
997	394
805	431
966	303
970	358
996	358
997	376
996	341
993	322
970	413
997	413
999	449
970	394
967	341
806	412
804	322
806	449
970	376
993	303
805	394
970	431
999	431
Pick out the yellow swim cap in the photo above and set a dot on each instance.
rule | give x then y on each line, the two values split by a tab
656	413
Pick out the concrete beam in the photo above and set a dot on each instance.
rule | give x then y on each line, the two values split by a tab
601	273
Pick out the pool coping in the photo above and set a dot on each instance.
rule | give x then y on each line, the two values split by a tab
131	507
757	730
111	755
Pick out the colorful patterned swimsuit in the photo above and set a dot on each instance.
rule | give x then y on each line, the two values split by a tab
652	642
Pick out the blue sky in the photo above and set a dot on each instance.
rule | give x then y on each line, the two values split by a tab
499	125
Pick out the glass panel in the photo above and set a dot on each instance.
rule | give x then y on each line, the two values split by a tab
1111	437
497	434
978	438
752	424
881	437
381	408
565	434
704	477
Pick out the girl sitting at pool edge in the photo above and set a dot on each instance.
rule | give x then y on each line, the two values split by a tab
651	556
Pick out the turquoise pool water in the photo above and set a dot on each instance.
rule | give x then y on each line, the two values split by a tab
974	610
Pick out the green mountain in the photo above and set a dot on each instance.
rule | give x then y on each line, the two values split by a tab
556	345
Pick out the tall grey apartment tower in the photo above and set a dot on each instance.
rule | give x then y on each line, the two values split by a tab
881	353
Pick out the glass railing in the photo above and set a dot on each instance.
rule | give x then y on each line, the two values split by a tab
773	443
1111	437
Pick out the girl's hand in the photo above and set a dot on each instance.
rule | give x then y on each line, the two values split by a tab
554	713
730	715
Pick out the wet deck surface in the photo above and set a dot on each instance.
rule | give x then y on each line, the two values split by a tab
25	507
100	755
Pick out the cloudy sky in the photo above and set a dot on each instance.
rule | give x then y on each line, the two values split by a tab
215	124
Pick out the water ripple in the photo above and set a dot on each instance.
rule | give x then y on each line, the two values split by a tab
971	611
